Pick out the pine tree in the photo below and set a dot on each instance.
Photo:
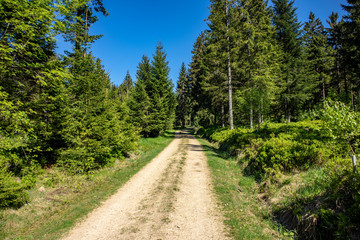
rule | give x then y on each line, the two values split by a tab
31	93
258	58
351	46
96	127
140	100
201	104
127	85
288	35
182	92
160	91
319	60
220	56
31	74
79	16
335	36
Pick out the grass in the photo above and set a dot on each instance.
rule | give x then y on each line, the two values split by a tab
59	200
246	216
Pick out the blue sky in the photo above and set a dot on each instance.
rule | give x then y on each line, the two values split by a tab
134	28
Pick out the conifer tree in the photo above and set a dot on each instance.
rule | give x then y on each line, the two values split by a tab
160	91
140	100
258	58
288	35
351	46
127	85
220	56
201	103
96	127
31	75
182	92
335	36
319	60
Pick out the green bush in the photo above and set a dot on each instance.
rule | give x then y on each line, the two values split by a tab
274	148
12	190
281	155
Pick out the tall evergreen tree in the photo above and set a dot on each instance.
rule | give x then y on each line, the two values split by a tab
96	127
31	75
351	46
140	100
160	91
182	94
127	85
288	34
220	56
201	103
319	60
258	58
335	36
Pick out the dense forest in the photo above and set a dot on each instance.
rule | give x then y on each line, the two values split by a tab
259	64
272	90
63	110
283	98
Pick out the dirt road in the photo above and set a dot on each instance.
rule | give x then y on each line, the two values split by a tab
170	198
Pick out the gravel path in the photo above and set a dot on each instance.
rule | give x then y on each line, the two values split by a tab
170	198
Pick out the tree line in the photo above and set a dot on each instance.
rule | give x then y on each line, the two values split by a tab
258	63
63	110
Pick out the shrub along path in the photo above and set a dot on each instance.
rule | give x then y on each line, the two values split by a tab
171	198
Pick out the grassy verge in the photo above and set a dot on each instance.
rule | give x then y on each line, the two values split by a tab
246	216
59	200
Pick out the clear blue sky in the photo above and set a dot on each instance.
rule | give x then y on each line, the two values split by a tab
133	29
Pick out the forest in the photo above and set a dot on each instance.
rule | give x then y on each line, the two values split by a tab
281	96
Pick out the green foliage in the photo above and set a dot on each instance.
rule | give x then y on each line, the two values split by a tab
153	102
322	200
12	191
274	149
183	91
96	128
341	123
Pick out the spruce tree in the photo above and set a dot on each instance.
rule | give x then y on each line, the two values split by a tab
351	46
258	58
140	100
201	102
182	94
31	74
160	91
96	128
335	36
288	34
127	85
220	57
319	60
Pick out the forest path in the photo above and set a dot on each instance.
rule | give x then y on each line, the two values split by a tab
170	198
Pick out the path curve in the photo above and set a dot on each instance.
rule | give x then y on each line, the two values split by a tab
170	198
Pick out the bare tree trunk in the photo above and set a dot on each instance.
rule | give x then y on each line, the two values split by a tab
323	90
288	108
251	116
231	117
222	115
352	100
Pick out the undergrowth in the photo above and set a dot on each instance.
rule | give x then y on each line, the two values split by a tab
303	176
59	198
246	216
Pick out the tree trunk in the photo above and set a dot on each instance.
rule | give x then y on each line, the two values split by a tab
251	116
287	104
231	117
323	90
222	115
352	100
